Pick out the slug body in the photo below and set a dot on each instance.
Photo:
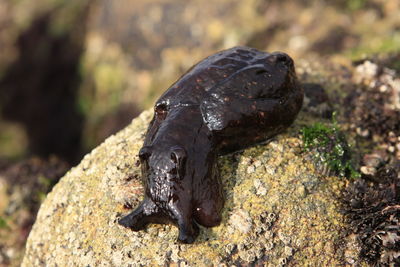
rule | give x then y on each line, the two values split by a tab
228	101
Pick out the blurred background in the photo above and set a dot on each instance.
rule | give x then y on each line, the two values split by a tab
74	72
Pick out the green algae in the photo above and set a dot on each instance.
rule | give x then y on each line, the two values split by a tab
386	45
330	147
3	223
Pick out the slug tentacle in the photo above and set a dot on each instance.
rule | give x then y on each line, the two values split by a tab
188	229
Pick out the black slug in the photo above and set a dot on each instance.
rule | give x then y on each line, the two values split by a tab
228	101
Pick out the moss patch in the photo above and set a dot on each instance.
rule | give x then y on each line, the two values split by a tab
329	147
3	223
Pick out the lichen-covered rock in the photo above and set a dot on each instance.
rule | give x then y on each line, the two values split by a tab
278	210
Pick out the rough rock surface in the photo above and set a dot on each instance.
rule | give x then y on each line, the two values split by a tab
278	211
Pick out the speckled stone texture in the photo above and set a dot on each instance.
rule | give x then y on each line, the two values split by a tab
278	211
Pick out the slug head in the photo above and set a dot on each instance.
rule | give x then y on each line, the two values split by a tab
279	75
161	168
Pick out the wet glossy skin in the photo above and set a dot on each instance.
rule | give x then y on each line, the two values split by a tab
228	101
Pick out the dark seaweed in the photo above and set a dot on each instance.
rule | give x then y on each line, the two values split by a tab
373	211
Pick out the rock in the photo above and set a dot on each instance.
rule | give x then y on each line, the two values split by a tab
43	43
77	223
316	100
367	170
23	185
366	71
373	160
